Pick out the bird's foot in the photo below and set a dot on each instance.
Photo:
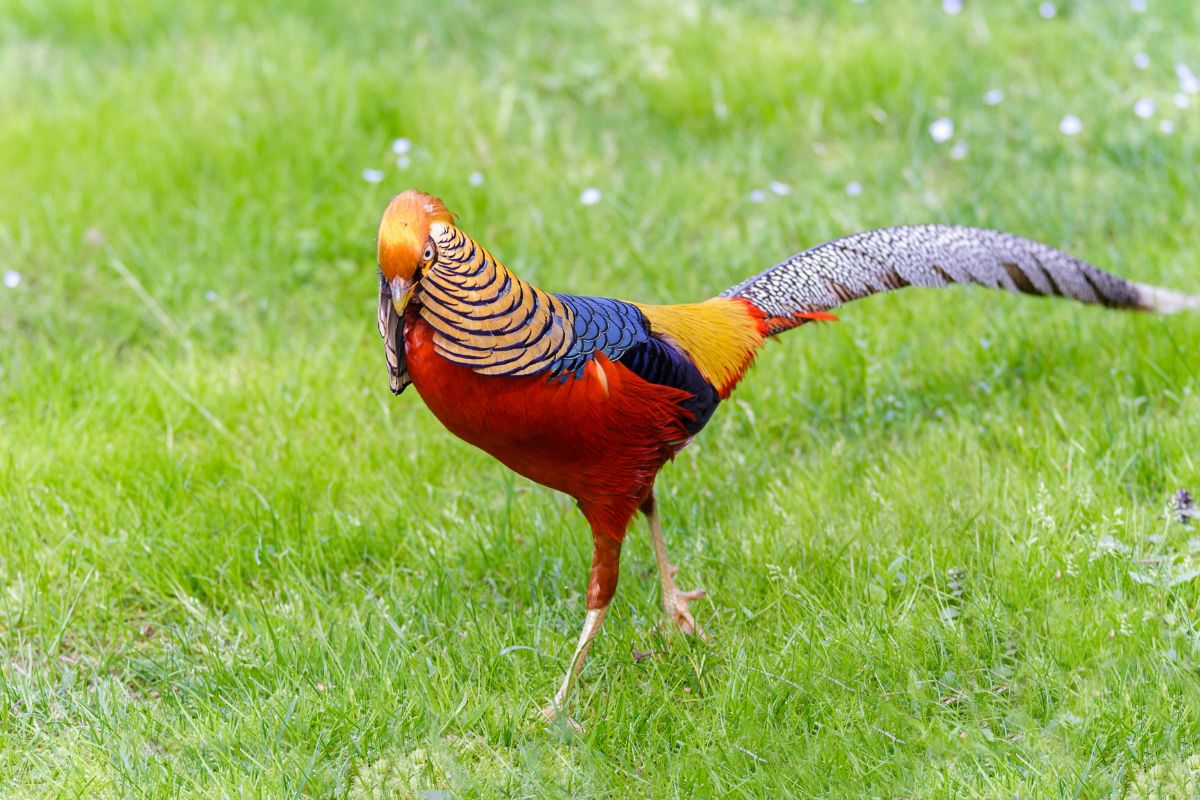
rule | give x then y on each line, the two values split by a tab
552	713
676	607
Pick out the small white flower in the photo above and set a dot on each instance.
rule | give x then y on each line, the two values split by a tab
403	161
1138	5
401	146
1141	61
589	196
1070	125
854	188
1167	126
780	188
959	151
993	97
210	296
942	130
1181	100
1048	10
372	175
12	279
475	178
1144	108
757	196
952	6
1188	82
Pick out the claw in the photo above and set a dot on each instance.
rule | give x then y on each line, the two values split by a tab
677	611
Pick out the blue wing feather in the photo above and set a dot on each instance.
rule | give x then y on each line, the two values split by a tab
621	332
602	325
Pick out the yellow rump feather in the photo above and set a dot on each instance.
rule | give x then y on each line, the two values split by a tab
720	335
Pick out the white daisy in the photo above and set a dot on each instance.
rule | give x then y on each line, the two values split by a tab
942	130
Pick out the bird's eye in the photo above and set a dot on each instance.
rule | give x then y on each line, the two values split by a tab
429	253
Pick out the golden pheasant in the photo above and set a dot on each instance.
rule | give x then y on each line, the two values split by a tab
591	396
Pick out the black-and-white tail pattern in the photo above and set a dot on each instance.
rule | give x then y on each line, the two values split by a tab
864	264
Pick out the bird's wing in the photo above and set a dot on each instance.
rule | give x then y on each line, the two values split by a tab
391	329
625	333
882	260
600	325
663	363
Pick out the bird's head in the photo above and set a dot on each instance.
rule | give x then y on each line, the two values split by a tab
406	249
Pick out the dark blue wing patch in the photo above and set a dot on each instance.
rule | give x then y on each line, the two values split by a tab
621	332
602	325
657	362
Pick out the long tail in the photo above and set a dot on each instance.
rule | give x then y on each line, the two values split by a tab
824	277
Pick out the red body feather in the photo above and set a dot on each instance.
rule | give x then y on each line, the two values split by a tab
601	438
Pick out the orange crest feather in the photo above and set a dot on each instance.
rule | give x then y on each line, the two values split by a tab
404	230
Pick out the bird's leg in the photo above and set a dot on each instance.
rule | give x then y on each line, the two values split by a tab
675	603
591	626
602	584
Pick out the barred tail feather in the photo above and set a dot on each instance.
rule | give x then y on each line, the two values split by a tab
864	264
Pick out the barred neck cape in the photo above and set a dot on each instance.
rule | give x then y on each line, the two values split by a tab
486	318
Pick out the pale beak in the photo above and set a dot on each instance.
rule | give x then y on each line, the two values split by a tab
401	293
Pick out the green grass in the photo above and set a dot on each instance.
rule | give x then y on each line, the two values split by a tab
232	565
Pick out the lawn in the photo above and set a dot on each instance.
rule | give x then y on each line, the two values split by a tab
936	534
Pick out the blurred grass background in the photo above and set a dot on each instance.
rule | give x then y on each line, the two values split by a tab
232	565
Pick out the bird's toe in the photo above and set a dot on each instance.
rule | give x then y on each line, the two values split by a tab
679	612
